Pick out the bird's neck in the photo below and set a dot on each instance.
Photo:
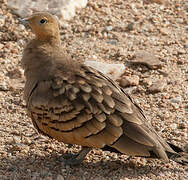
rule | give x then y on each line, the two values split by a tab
53	40
40	55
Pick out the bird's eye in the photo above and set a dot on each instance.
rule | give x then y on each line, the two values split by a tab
42	21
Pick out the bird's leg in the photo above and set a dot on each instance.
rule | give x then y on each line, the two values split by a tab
69	155
76	159
69	145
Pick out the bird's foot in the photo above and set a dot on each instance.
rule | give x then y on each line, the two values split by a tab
73	161
69	156
76	159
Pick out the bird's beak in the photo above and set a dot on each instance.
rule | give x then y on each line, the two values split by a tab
24	21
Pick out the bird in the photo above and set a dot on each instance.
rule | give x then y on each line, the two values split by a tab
77	104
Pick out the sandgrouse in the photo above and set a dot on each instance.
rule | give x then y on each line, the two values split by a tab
76	104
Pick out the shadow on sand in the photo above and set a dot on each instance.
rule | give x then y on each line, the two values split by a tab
35	166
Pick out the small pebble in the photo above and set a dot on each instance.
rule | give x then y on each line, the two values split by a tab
4	86
1	46
130	90
109	28
126	81
130	27
114	71
145	58
165	31
176	99
157	86
59	177
112	41
2	20
173	126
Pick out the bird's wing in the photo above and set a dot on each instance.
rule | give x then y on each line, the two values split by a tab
90	109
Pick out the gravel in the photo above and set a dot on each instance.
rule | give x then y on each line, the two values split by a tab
113	31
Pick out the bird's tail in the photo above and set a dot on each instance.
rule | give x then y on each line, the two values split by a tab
180	156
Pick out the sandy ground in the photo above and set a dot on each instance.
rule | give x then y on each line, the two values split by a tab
111	31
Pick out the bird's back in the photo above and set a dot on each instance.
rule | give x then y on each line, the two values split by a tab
76	104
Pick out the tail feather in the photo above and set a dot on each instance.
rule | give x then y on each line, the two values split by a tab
175	148
179	156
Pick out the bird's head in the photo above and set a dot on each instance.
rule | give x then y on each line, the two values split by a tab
44	25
